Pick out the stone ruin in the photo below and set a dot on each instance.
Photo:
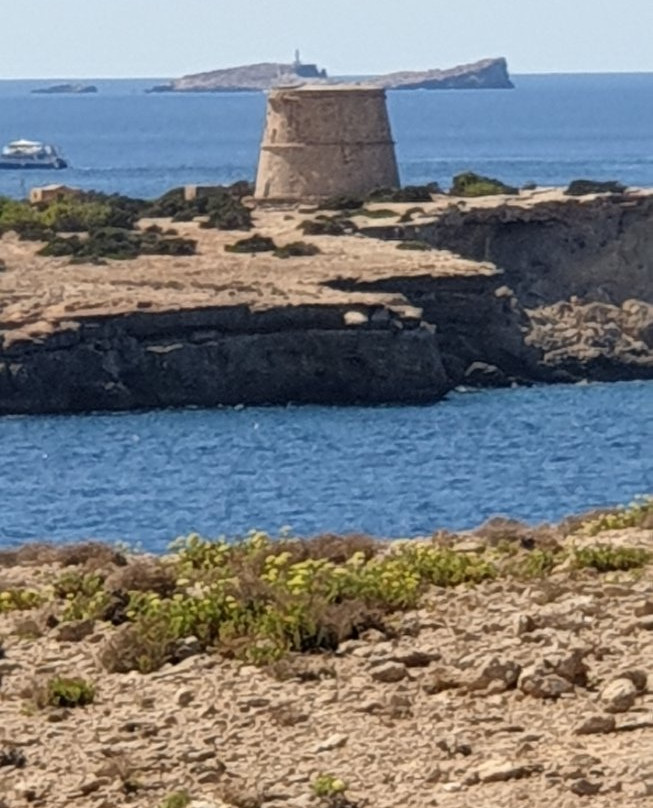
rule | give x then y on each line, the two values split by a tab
325	141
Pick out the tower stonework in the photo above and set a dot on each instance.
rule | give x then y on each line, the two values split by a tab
325	141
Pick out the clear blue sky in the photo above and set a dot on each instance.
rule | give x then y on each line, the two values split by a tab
167	38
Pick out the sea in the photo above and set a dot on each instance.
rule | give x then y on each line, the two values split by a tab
145	478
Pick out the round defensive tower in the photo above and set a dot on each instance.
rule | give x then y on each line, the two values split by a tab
324	141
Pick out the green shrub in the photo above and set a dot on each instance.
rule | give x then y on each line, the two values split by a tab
253	244
471	185
413	244
605	558
221	205
16	600
582	187
638	514
375	213
327	226
342	203
118	244
409	193
297	249
178	799
64	692
328	785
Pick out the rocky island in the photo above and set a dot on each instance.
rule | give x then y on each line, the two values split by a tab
387	302
485	74
66	89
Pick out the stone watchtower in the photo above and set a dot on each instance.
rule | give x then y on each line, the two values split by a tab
324	141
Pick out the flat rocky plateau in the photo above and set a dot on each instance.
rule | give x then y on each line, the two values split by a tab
539	287
506	694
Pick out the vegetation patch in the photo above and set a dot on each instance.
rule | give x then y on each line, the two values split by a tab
413	244
222	206
470	184
16	600
67	692
297	249
638	514
117	244
606	558
178	799
409	193
328	226
253	244
583	187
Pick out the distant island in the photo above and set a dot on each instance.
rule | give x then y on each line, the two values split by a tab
61	89
487	74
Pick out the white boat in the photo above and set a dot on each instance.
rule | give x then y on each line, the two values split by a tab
30	154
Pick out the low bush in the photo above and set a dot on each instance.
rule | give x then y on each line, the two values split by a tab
470	184
222	207
16	600
375	213
638	514
327	226
253	244
328	785
413	244
409	193
583	187
342	203
605	558
297	249
69	692
178	799
118	244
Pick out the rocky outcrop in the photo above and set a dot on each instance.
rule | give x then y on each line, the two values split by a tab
581	271
598	249
487	74
262	76
231	355
66	89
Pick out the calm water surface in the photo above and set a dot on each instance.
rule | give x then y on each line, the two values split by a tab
550	129
536	453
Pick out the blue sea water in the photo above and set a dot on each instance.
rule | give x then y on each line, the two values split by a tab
535	454
550	129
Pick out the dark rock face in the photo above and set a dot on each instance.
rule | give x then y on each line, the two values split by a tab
225	356
578	295
476	320
599	250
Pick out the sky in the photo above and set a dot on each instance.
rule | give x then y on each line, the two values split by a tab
169	38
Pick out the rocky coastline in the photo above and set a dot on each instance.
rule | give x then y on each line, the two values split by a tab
494	291
505	666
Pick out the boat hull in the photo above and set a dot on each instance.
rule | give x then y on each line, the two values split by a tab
33	164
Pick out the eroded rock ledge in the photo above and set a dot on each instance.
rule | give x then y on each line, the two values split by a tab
517	289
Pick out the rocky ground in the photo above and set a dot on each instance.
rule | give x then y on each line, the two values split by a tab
516	692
